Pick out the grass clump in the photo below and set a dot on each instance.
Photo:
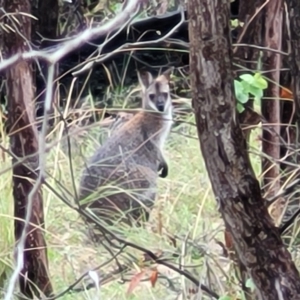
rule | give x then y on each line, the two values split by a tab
185	208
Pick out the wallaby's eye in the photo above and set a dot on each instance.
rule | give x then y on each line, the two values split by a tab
165	95
152	97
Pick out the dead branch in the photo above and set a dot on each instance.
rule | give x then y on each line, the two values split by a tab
54	55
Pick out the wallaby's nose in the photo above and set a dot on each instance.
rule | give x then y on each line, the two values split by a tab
160	104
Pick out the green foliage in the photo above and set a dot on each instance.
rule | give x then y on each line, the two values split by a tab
234	23
250	284
116	7
178	210
249	86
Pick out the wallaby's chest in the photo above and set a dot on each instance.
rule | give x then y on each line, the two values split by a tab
128	154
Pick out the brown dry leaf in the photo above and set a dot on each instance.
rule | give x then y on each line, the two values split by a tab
136	279
286	94
277	210
228	240
153	277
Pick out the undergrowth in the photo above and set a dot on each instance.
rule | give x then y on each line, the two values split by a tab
185	208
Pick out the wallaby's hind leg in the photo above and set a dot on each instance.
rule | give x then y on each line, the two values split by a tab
128	196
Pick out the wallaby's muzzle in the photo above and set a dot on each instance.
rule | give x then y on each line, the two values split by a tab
160	107
160	104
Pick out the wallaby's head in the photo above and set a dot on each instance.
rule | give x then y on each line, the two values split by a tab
156	92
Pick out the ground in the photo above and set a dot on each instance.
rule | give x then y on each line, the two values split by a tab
185	208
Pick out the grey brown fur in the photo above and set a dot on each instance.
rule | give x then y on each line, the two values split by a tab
121	177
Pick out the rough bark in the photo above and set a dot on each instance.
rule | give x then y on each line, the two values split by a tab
249	34
288	132
24	144
271	108
294	16
256	239
47	13
291	116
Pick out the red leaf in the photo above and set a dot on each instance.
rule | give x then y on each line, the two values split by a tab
286	93
153	277
136	279
228	240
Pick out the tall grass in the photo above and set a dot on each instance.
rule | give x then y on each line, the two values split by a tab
185	208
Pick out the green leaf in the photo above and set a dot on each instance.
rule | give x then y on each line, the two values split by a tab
234	23
241	95
116	7
259	81
238	87
256	92
243	98
240	107
250	284
246	85
248	78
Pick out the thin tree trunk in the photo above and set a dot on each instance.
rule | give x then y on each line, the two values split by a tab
271	108
294	16
24	144
292	133
249	34
47	13
256	239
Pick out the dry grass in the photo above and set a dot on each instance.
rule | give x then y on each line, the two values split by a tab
185	207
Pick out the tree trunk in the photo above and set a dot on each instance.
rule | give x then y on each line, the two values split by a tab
256	239
24	145
292	133
46	25
271	107
294	15
249	34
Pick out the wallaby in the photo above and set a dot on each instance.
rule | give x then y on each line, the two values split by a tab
120	120
120	179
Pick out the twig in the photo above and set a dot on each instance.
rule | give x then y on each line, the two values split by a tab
261	48
125	243
72	286
147	252
130	46
54	55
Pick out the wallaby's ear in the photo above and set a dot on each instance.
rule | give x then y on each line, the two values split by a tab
145	79
167	73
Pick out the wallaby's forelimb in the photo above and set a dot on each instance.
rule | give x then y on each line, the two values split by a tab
163	168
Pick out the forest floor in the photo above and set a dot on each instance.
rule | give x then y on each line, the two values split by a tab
185	207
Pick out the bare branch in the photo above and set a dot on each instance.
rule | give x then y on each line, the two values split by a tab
130	46
56	54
